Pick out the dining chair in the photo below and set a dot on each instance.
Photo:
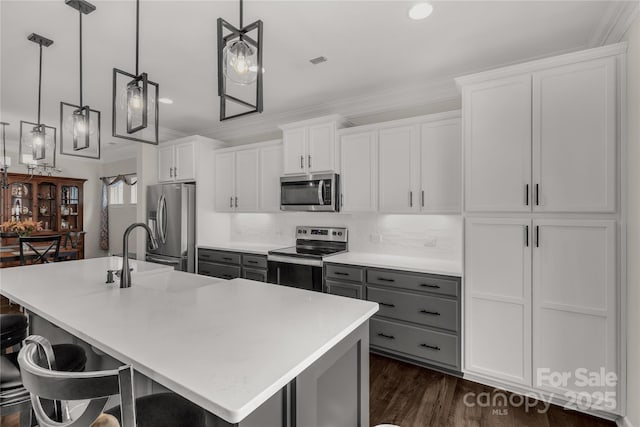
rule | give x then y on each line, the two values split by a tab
70	239
43	381
14	398
43	248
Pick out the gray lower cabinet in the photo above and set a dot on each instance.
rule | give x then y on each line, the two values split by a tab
352	290
231	265
419	316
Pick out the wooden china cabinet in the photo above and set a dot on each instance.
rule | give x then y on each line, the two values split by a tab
54	201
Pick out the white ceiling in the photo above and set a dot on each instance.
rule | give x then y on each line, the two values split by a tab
378	59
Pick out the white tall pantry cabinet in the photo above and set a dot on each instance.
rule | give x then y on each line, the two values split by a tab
543	217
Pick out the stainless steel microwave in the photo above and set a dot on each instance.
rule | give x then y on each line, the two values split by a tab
310	193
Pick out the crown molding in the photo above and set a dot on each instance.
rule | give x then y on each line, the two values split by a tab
615	23
266	125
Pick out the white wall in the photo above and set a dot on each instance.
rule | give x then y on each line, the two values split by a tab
120	216
433	236
633	225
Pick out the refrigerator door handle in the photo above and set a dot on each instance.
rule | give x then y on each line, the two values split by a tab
162	219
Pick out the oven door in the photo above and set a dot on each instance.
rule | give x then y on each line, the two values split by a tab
309	193
300	276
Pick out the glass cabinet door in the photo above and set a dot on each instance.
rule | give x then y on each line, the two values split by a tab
20	202
69	208
48	206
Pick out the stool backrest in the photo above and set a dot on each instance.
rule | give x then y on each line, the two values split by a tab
13	329
42	253
43	381
72	237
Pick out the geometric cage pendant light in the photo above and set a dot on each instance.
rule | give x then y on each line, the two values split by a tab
37	140
135	101
240	71
80	124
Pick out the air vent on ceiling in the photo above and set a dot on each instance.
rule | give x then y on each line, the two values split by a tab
318	60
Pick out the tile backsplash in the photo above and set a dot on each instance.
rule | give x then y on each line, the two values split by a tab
433	236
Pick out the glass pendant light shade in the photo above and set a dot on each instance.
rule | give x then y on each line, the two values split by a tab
37	144
38	135
240	62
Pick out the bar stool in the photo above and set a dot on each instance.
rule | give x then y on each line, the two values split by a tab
45	382
14	398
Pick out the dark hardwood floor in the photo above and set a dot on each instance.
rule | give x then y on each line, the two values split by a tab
410	396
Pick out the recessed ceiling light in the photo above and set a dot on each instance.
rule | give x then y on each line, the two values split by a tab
318	60
165	100
420	11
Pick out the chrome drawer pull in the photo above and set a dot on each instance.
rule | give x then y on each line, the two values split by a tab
227	259
252	262
386	304
431	347
432	313
389	337
426	285
382	279
340	273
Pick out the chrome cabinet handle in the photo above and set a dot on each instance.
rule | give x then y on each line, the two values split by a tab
537	195
426	285
537	236
422	198
236	201
385	304
301	162
171	172
175	172
382	279
389	337
430	313
526	236
230	202
340	273
526	195
431	347
410	199
309	162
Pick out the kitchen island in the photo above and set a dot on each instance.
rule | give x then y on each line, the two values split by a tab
249	353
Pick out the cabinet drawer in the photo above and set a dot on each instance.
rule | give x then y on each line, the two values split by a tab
254	261
256	274
352	290
423	309
425	344
223	271
219	256
344	272
443	285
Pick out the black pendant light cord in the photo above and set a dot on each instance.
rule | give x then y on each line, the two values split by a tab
39	83
81	104
137	33
241	13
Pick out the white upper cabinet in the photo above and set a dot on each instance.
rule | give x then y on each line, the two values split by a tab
224	181
575	301
185	162
322	152
498	298
358	173
295	151
247	180
165	163
399	169
270	173
497	144
441	166
310	146
177	162
574	137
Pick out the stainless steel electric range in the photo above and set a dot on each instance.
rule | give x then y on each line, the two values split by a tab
300	266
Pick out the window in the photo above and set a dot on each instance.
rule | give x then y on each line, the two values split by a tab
133	195
116	193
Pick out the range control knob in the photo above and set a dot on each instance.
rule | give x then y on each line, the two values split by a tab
339	233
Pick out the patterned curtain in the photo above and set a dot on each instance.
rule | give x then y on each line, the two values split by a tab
104	209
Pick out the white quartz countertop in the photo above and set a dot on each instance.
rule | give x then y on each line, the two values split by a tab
227	346
397	262
251	248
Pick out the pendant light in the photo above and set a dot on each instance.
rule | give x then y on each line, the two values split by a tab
6	161
240	63
37	140
135	101
79	124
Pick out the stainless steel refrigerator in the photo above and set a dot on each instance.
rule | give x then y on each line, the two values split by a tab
171	215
